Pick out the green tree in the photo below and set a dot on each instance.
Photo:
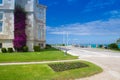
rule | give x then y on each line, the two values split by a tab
118	41
113	46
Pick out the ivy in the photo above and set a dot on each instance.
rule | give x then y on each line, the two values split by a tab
19	28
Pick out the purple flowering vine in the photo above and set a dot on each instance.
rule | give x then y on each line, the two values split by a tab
19	28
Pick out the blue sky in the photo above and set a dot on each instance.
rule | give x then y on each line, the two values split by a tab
86	21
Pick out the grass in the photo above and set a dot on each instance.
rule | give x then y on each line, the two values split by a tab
44	72
45	55
116	50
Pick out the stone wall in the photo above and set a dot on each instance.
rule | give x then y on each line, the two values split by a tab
8	25
30	31
7	43
33	22
7	35
40	25
7	5
28	5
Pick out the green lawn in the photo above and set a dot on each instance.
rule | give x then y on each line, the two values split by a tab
44	55
44	72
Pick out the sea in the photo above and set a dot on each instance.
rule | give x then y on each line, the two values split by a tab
95	45
119	46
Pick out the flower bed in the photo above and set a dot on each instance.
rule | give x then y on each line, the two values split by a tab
58	67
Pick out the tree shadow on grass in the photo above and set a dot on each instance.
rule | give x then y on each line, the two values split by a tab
50	49
56	49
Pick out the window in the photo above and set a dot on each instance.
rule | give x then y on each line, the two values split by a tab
1	2
39	33
0	45
41	45
40	14
1	21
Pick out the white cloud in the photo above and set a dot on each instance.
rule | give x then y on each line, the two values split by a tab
110	27
115	13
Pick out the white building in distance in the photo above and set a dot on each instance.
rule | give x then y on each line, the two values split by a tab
36	23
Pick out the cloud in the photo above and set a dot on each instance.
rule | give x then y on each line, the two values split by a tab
115	13
112	14
110	27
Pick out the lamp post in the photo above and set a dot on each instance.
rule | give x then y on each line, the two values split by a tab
67	35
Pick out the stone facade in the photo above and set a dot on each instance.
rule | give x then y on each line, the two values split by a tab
36	23
7	34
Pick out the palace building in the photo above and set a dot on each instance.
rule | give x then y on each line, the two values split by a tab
35	23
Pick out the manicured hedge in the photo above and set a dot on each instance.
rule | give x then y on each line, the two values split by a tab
36	48
48	46
58	67
10	50
25	49
4	50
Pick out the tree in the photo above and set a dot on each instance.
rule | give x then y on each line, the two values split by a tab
19	28
118	41
113	46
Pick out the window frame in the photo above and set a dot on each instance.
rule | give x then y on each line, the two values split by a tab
40	14
1	4
39	32
1	32
0	45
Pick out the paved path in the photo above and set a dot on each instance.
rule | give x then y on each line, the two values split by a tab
108	60
42	62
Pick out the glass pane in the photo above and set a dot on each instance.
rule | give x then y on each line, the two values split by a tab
1	1
1	16
1	24
39	33
0	45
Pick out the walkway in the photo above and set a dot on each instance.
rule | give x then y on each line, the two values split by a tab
108	60
42	62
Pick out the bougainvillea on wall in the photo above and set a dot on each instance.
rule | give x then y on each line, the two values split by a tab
19	28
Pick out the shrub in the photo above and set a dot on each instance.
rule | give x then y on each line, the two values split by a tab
48	46
36	48
100	46
4	50
25	49
63	44
113	46
10	50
